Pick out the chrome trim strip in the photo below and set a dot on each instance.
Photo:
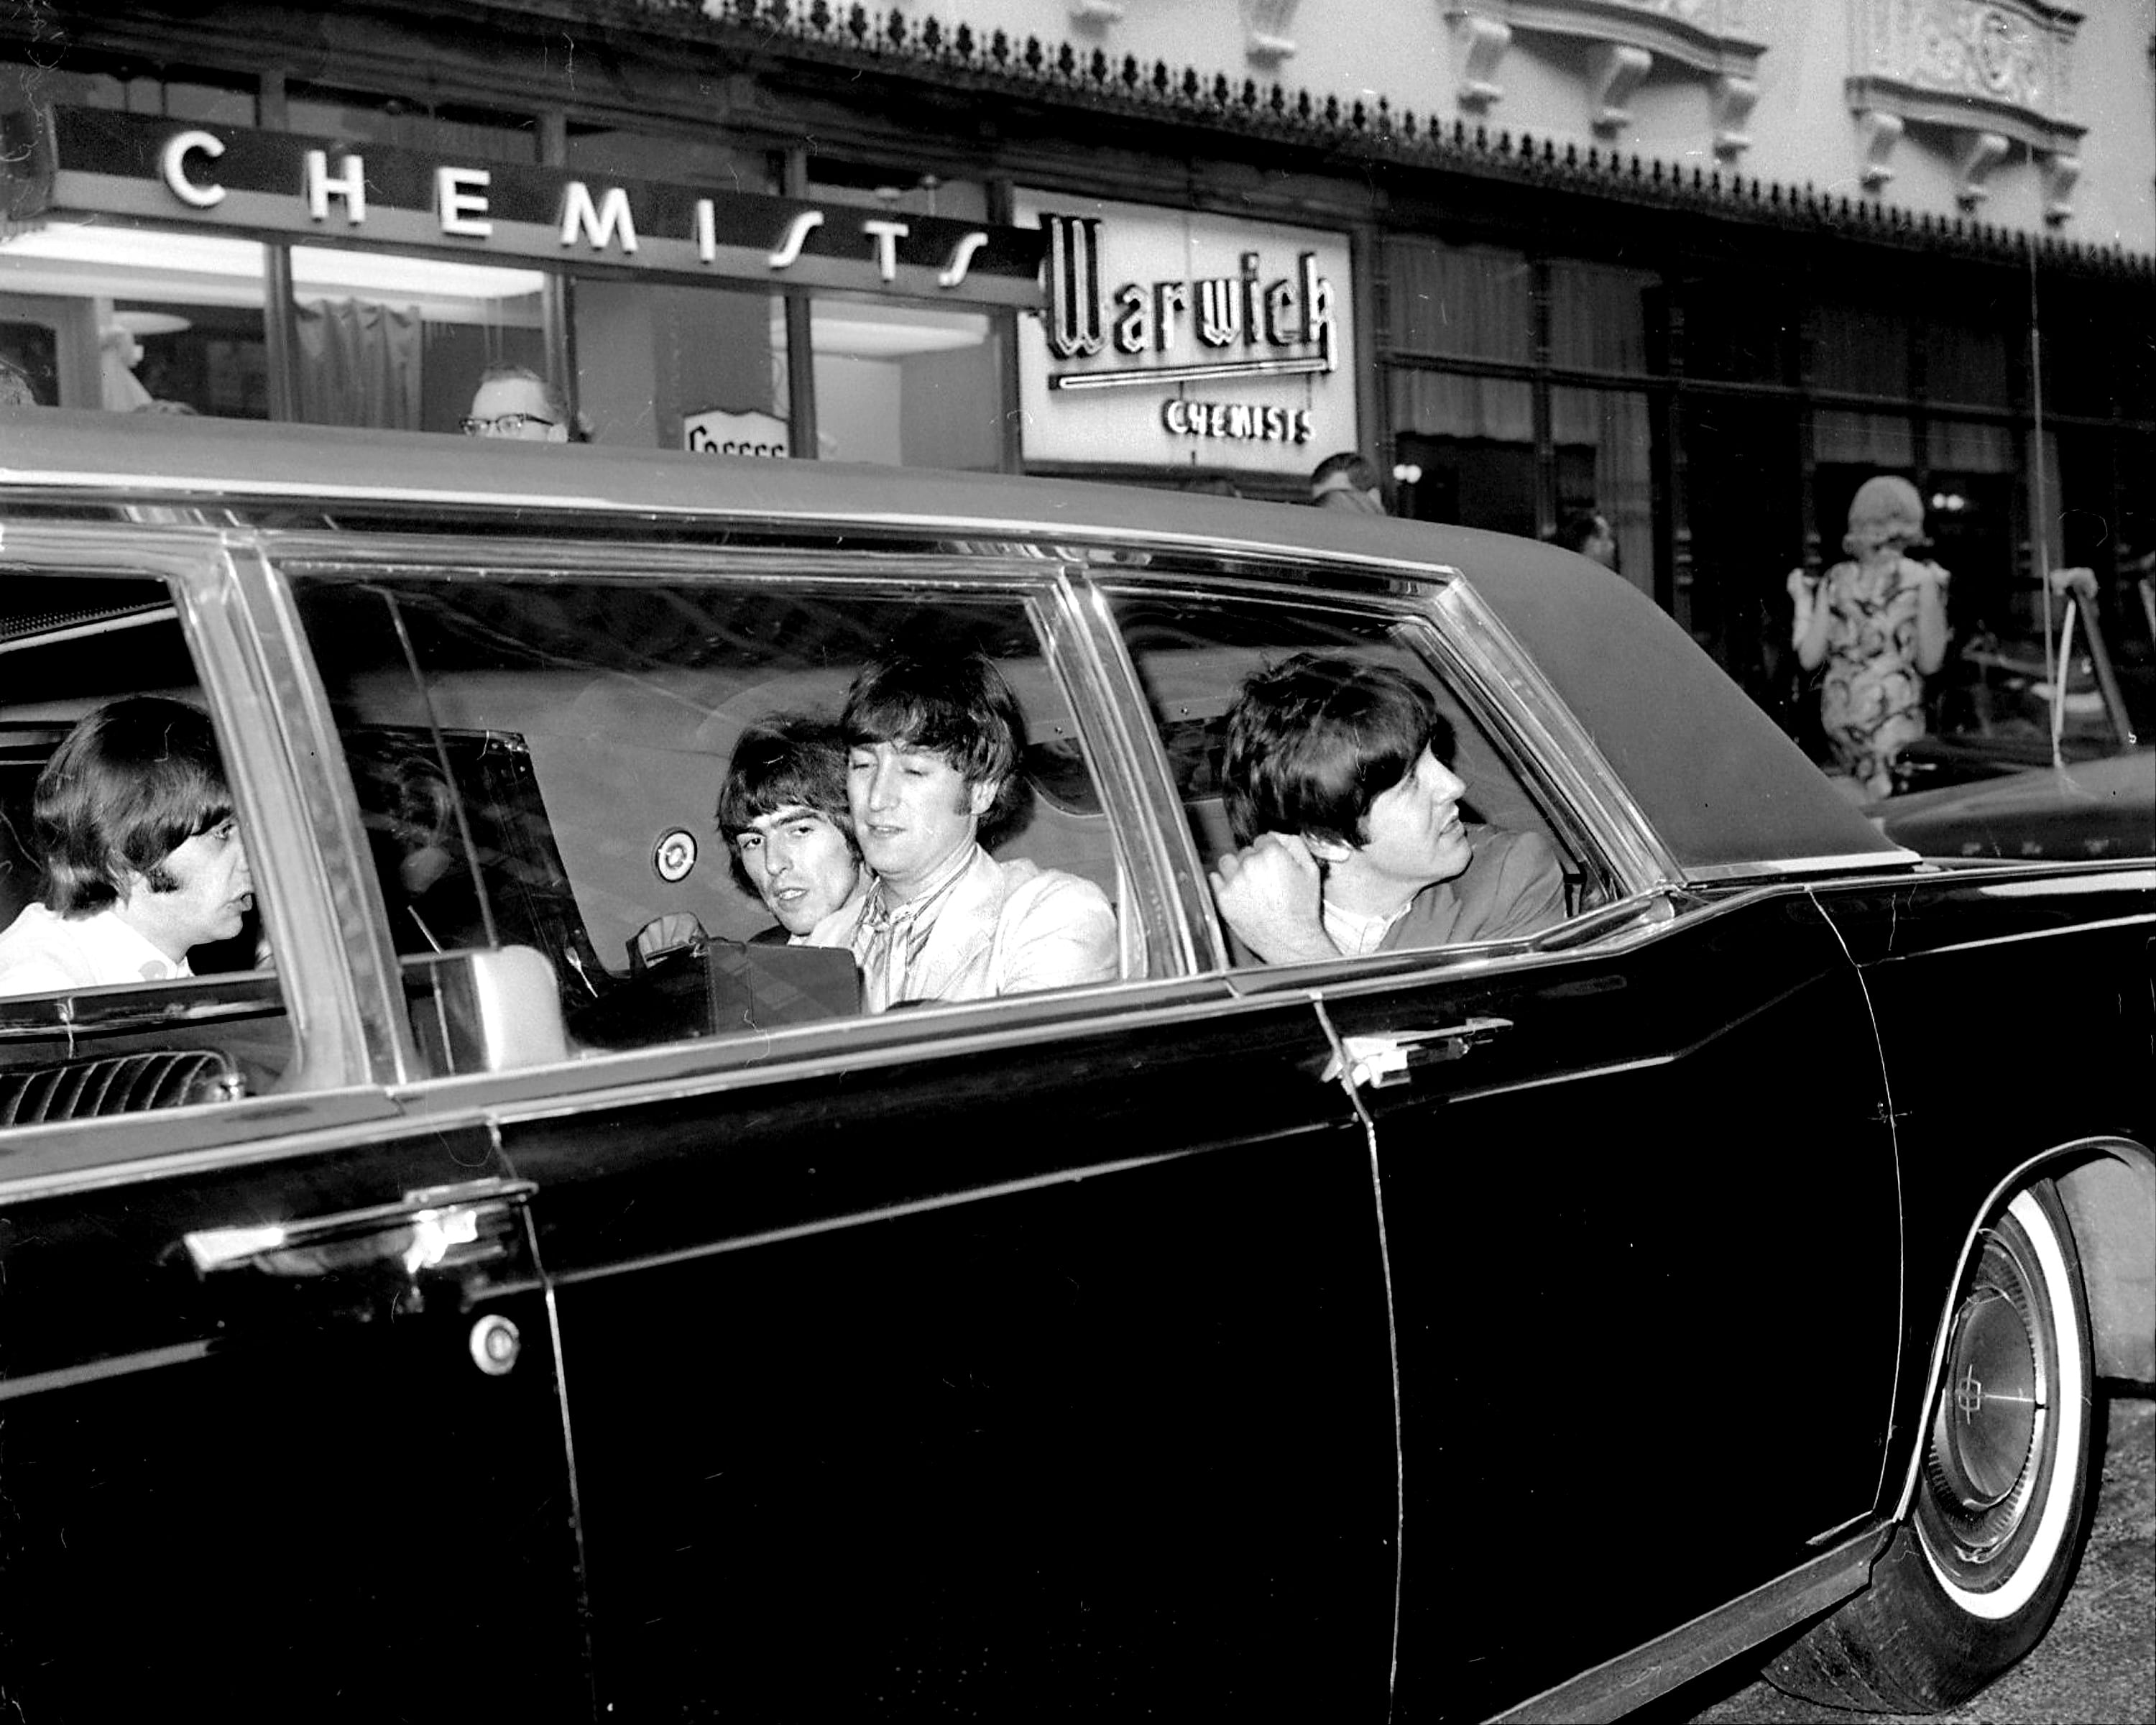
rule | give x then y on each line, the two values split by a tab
1560	745
2015	939
1853	863
853	1219
1630	1681
125	1365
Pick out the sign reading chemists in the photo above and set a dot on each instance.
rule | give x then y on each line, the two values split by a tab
163	171
1174	338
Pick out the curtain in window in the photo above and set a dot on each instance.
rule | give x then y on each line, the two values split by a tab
360	363
1438	405
1881	440
1466	302
1615	422
1597	316
1965	363
1861	350
1965	446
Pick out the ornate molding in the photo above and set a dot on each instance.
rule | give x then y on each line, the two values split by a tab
1734	98
1614	70
1880	131
2003	66
1980	152
1265	25
843	42
2060	169
1627	39
1482	40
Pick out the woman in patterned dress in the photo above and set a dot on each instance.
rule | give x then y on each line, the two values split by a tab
1879	622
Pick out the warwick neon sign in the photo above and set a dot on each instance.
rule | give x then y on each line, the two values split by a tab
1282	328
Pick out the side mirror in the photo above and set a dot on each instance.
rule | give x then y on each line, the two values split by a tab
486	1010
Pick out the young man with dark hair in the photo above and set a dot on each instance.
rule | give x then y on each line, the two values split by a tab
142	858
1349	820
783	812
932	747
1587	532
1349	481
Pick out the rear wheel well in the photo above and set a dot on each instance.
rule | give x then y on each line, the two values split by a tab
2110	1198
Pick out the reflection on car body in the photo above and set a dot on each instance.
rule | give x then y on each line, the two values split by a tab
537	1261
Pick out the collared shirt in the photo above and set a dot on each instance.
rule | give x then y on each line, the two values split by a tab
1356	935
42	953
888	939
988	929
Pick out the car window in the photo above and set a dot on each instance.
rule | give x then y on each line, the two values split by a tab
539	764
1193	653
167	995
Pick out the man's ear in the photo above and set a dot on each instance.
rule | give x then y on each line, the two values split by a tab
1325	850
982	794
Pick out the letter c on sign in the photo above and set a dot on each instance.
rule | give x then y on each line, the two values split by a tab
172	165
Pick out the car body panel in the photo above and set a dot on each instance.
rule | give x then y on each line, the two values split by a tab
999	1362
1523	1170
2096	810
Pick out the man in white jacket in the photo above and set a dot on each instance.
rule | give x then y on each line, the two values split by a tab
143	859
932	745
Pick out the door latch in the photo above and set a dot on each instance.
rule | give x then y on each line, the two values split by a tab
1380	1061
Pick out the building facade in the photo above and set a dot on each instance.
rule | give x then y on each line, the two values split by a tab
1700	266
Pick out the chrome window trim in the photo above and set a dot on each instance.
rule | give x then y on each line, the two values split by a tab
244	683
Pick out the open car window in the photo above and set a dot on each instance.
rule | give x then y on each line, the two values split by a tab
1193	653
539	761
95	1019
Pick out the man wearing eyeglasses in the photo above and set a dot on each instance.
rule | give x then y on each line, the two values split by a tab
515	402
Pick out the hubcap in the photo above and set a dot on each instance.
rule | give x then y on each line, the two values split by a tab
1988	1428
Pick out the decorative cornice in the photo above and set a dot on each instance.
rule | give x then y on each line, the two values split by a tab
1625	39
1988	74
854	43
1266	26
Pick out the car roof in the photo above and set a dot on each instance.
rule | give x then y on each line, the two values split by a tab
1726	790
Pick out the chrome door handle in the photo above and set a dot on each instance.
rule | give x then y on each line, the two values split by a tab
472	1223
1381	1060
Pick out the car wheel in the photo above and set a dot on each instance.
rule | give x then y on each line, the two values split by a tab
1970	1582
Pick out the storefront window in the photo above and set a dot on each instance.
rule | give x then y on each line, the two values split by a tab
1474	440
1965	363
1861	349
1465	302
909	386
458	132
667	367
1603	445
23	84
1739	329
399	342
1598	317
697	161
123	318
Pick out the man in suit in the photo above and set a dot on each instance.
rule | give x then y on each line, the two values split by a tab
933	741
1349	821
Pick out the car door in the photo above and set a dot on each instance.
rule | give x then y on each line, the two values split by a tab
280	1428
1638	1181
1029	1354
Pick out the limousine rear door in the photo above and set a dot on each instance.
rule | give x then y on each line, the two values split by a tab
1637	1174
279	1427
965	1354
